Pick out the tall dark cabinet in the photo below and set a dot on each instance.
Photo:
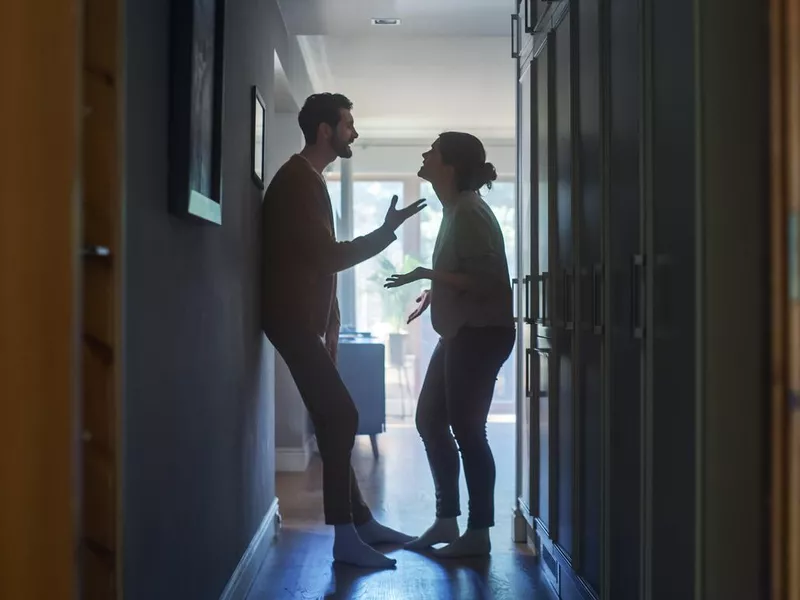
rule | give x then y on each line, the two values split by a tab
642	258
590	323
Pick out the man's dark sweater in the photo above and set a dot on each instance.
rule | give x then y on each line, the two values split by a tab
301	254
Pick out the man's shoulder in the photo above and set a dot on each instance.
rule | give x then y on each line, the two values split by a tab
294	175
287	170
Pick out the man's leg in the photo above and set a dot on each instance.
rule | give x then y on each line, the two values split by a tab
369	530
335	421
440	447
361	512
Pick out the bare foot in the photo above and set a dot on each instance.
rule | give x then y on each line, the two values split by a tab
443	531
374	533
475	542
350	549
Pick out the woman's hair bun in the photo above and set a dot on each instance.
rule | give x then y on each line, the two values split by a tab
486	175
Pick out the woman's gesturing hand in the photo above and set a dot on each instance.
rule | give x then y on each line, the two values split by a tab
423	302
398	280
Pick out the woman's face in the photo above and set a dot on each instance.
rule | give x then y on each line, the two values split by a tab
433	169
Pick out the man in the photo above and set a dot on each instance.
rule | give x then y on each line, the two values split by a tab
301	313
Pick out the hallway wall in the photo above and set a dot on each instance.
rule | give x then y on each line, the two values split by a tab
198	421
292	434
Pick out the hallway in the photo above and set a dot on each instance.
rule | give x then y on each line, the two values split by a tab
647	158
399	490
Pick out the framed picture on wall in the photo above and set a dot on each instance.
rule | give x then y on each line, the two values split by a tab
196	108
259	132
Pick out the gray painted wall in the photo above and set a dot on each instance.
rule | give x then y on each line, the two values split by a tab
198	414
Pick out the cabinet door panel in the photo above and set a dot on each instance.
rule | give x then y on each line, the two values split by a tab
564	294
671	262
545	216
544	135
589	395
545	436
526	172
625	299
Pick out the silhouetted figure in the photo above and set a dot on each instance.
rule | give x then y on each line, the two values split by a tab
472	310
301	313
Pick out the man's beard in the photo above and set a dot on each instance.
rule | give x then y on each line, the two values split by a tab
341	148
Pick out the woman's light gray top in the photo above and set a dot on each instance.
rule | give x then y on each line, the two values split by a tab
470	242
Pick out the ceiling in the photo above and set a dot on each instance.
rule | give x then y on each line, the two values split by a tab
418	17
446	66
284	101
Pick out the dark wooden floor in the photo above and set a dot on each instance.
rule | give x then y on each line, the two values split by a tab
399	489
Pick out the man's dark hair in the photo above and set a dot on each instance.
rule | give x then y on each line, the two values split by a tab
319	109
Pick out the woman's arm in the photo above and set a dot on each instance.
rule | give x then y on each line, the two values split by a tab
481	269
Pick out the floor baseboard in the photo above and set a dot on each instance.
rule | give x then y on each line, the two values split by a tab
292	460
245	574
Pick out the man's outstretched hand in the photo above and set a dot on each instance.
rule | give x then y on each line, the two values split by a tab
395	218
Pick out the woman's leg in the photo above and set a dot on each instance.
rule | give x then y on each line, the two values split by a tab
434	429
473	360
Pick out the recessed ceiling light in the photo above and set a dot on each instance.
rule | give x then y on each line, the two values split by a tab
385	21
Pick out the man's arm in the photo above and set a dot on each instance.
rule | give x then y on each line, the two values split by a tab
316	242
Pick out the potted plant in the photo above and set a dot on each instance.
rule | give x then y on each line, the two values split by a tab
397	302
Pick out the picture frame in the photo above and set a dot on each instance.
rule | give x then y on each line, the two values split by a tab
196	109
258	137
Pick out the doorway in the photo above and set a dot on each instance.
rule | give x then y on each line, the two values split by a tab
102	299
61	335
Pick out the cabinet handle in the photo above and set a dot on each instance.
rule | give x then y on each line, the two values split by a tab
526	284
566	301
91	250
597	299
544	306
527	372
514	36
637	281
528	28
514	283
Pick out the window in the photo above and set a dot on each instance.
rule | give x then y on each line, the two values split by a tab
376	312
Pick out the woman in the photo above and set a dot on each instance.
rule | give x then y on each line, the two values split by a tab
471	309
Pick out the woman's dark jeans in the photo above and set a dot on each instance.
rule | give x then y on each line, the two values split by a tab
456	394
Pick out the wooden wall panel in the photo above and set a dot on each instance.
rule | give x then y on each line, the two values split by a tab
39	182
785	291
